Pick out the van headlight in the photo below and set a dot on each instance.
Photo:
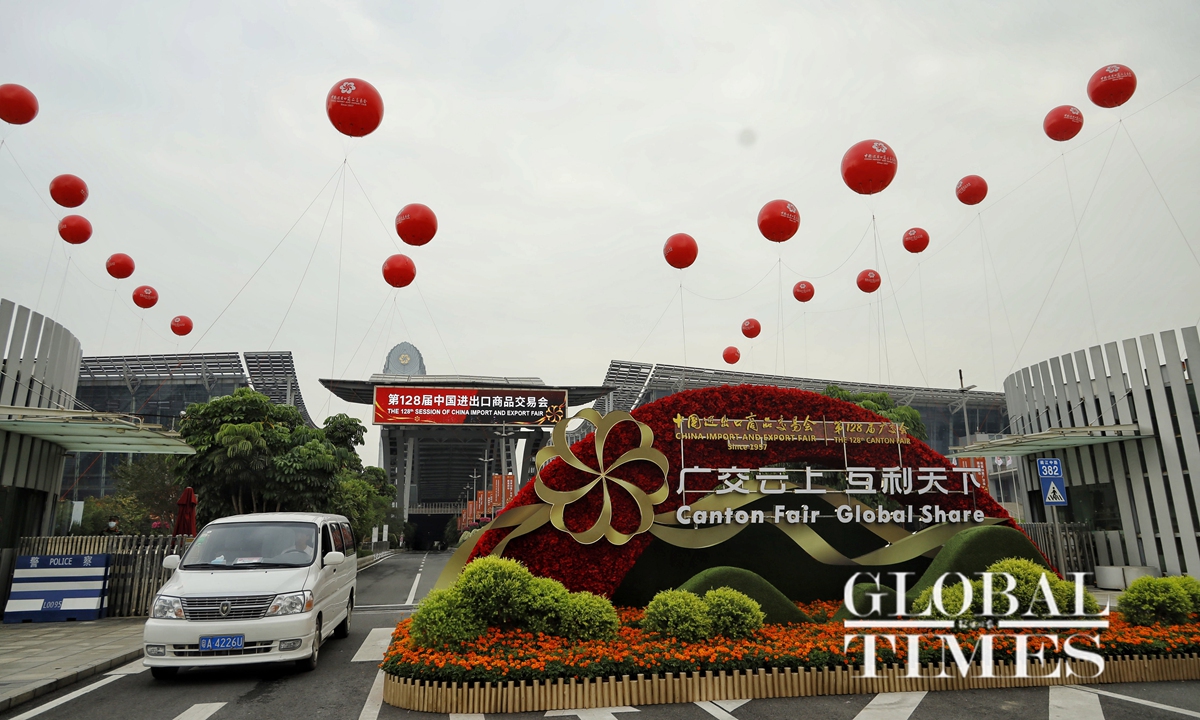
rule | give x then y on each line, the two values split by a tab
291	603
167	608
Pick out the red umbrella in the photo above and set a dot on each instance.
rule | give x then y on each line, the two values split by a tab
185	519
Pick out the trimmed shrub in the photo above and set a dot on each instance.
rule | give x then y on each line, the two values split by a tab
1153	601
588	617
542	606
1027	574
445	618
496	589
952	600
732	614
774	604
1189	585
679	614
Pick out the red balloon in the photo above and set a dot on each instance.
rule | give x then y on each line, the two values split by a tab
145	296
354	107
868	167
416	224
916	240
399	271
778	220
971	190
868	281
68	190
751	328
181	325
804	291
75	229
680	250
1063	123
119	266
731	355
1111	86
17	105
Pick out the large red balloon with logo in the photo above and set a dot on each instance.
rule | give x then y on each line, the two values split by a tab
868	167
680	250
181	325
803	291
416	224
68	190
17	105
868	281
1112	86
75	229
354	107
731	355
1063	123
145	296
751	328
778	220
119	265
971	190
399	271
916	240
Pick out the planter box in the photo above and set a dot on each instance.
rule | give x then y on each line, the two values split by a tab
505	697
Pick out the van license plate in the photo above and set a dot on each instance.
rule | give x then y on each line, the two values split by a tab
223	642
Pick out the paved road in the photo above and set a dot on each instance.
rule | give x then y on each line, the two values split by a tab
340	687
348	685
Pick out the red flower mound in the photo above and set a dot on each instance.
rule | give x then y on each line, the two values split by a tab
601	566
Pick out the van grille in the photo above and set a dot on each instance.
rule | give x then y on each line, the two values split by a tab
244	607
251	648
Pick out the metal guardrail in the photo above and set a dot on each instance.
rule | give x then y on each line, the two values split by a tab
1070	547
137	572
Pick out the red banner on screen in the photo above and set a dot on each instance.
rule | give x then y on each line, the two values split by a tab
468	406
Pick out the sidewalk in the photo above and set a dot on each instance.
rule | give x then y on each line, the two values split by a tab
38	658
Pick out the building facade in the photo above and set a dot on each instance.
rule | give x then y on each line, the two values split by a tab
1123	419
158	388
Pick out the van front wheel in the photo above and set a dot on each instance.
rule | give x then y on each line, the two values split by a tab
343	628
309	663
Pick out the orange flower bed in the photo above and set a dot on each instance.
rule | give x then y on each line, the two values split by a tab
502	655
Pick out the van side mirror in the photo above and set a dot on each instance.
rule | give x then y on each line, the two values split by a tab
171	562
335	558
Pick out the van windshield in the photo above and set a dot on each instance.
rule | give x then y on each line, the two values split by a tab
235	546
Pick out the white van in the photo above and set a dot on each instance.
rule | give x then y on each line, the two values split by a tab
268	587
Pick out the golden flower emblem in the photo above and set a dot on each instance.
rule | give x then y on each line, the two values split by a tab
602	476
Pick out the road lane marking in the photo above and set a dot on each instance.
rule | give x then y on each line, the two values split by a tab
1070	704
374	702
1126	698
66	698
891	706
712	709
592	713
132	668
412	594
373	647
200	711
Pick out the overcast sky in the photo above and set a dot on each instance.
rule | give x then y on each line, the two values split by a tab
560	144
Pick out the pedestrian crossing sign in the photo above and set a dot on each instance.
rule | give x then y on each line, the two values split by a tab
1054	484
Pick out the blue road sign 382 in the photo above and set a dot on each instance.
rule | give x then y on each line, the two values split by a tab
1054	483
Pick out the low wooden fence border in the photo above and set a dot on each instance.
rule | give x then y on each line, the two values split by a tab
136	566
527	696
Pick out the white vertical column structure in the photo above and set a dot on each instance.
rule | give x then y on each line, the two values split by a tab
1151	472
409	447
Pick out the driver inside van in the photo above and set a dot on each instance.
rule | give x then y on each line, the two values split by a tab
303	542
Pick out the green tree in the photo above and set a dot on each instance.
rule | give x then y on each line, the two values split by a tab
882	403
254	456
152	485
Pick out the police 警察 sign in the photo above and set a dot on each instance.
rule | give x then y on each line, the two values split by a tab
1054	482
50	588
468	406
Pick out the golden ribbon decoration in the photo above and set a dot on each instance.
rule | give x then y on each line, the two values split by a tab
560	499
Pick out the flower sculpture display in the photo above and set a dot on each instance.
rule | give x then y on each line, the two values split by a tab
585	526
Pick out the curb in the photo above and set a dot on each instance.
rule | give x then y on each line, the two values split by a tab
44	687
375	560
